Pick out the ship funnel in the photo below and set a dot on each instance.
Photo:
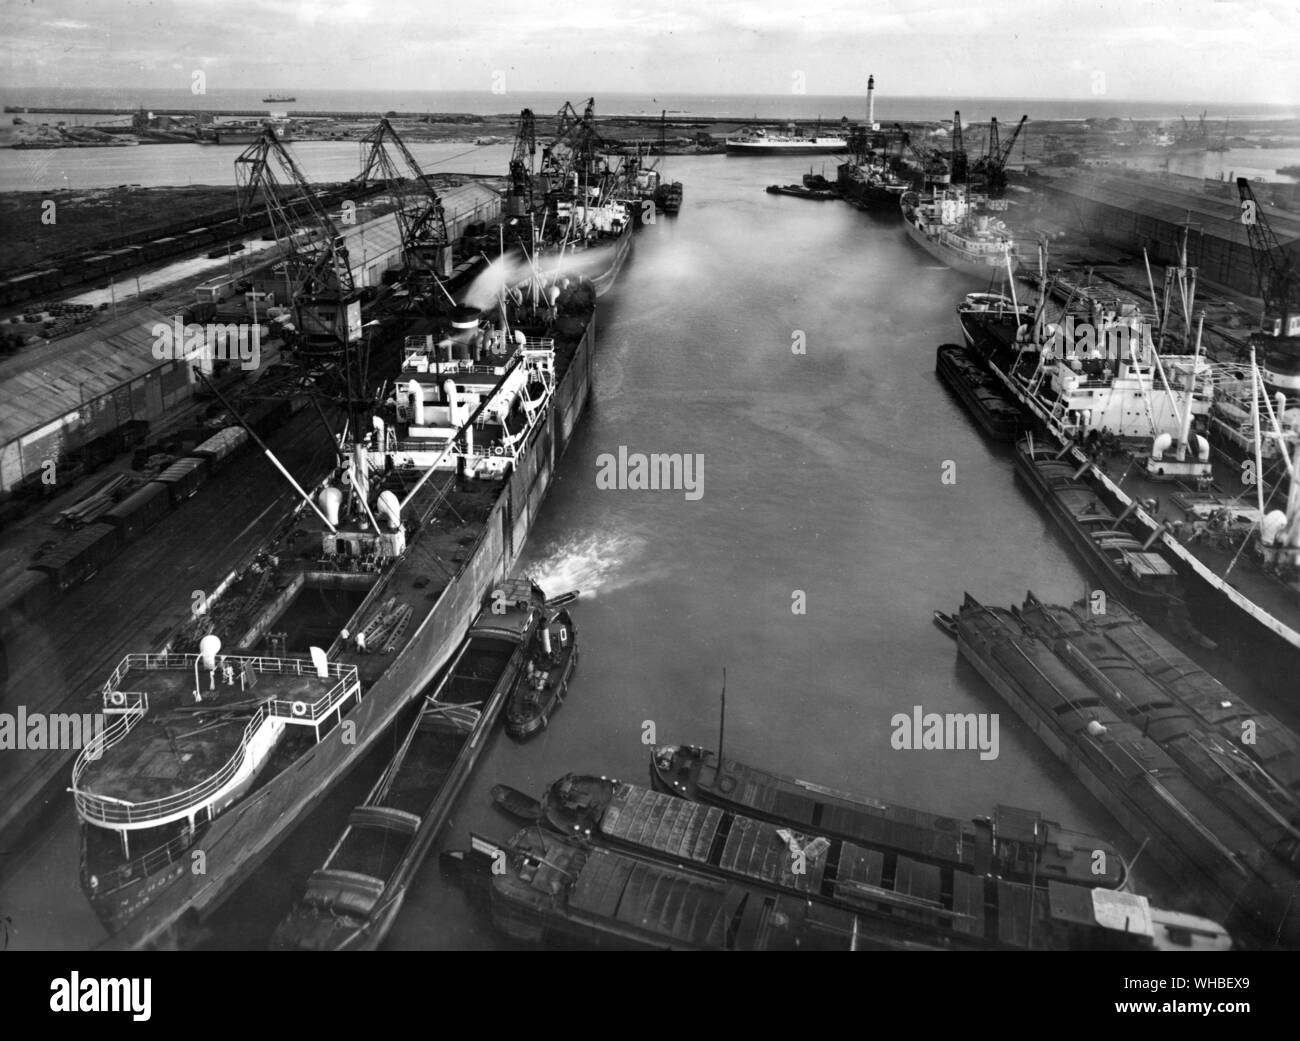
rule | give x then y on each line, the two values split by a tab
1160	445
417	402
208	648
329	500
390	509
465	318
321	662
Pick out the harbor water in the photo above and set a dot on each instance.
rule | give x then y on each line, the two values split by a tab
840	496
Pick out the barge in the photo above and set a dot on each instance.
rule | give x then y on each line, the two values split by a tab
1223	870
1016	844
998	414
352	900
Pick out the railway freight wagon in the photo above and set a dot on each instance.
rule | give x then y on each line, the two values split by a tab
79	556
183	477
139	511
220	447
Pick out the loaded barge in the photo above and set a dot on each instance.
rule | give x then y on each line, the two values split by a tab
998	414
1016	844
1222	867
353	607
352	900
898	900
542	888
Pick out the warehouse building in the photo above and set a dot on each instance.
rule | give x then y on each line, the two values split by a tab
61	395
1134	213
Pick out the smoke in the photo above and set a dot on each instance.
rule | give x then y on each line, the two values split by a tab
511	271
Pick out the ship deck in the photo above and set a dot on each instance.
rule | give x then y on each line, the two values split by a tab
181	742
1179	502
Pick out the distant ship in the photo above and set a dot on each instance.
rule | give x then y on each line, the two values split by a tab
759	142
272	99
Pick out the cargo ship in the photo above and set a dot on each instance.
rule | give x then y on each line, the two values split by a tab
1015	844
944	225
870	183
272	99
352	900
1105	398
1223	869
760	142
352	607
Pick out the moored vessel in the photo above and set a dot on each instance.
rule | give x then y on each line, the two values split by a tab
1016	844
351	901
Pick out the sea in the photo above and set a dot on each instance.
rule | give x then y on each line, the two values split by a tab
189	164
789	346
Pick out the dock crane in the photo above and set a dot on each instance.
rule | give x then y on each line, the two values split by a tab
957	164
421	220
318	273
992	167
519	201
1278	280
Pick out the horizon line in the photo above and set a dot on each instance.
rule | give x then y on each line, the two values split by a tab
695	93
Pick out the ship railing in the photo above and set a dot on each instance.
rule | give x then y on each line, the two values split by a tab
129	707
110	811
143	867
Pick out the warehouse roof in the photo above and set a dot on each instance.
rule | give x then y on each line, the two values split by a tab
42	383
1218	216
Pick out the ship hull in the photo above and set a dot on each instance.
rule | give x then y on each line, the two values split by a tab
238	841
790	148
604	282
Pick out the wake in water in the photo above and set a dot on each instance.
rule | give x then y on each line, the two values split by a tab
594	563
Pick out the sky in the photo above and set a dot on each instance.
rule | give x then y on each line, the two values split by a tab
1198	50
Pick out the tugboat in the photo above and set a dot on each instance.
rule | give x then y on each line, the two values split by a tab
821	194
540	687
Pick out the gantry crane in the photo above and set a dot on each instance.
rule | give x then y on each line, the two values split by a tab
318	273
421	219
992	167
1278	280
520	199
